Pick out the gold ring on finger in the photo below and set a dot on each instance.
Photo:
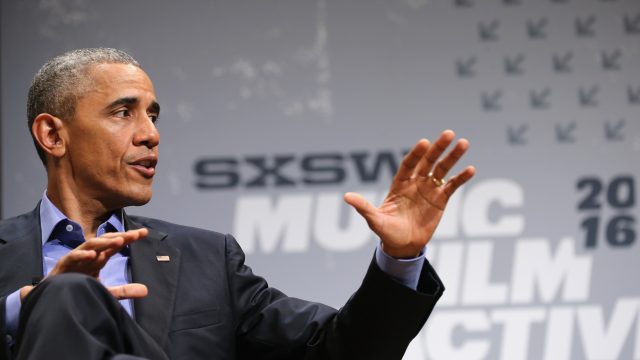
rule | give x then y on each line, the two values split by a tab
436	182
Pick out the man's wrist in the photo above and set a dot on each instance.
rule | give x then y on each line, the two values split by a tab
401	255
12	314
405	271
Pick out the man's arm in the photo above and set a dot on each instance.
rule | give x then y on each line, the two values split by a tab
377	322
382	317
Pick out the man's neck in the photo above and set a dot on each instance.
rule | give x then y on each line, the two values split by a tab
88	213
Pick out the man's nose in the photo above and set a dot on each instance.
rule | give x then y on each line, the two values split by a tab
147	133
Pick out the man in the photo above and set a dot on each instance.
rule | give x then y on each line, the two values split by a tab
185	292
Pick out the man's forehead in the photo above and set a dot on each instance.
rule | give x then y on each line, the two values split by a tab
119	80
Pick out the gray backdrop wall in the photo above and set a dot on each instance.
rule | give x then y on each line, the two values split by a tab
272	109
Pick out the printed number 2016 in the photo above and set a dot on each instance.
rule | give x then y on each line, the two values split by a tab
620	195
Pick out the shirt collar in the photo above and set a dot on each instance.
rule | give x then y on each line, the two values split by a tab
50	216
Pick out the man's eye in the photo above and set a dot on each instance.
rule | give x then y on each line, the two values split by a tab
123	113
154	117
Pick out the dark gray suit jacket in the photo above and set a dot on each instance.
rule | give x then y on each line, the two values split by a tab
205	303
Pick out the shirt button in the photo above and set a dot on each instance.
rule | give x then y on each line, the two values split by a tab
69	227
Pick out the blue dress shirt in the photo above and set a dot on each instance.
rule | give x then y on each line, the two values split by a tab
117	270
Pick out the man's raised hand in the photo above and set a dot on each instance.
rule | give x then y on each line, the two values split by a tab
411	212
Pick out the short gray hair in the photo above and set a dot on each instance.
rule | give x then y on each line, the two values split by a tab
60	82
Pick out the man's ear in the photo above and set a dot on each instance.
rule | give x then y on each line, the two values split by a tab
47	130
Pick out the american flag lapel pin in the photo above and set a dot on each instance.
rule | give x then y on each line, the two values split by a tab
163	258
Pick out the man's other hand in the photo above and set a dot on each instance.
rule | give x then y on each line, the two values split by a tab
91	256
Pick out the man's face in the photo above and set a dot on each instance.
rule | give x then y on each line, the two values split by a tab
112	141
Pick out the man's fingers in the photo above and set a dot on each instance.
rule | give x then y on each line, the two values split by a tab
91	256
412	159
141	232
443	166
458	180
79	255
435	151
102	243
362	206
128	291
78	260
133	235
114	241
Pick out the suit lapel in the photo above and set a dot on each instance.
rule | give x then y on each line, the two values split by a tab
20	251
154	311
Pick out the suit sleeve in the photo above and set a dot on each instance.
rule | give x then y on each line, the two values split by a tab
4	345
378	321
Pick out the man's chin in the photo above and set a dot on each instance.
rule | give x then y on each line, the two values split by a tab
140	200
137	199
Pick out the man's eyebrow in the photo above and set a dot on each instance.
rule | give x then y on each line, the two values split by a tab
128	100
154	107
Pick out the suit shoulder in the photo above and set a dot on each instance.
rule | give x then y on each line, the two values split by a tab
20	224
15	219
